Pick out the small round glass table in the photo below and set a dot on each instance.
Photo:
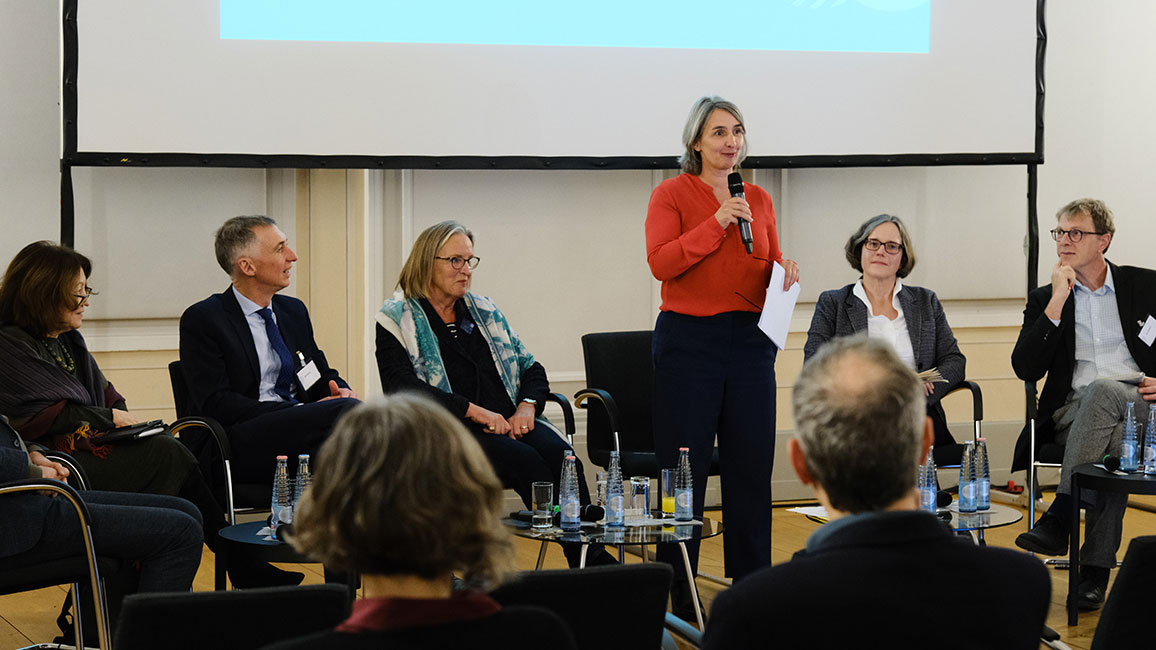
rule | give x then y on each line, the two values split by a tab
651	531
973	523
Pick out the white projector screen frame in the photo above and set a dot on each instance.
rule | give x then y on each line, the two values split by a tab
158	110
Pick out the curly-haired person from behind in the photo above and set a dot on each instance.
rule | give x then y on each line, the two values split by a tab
404	496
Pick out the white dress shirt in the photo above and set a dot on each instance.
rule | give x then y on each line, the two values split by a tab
883	328
267	359
1101	350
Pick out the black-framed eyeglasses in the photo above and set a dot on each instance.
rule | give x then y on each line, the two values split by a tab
889	246
88	293
457	261
1074	235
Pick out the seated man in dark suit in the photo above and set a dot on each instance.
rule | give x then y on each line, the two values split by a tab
1087	330
862	430
249	355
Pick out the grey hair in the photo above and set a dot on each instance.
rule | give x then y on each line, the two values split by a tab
1101	215
691	161
859	415
233	238
854	247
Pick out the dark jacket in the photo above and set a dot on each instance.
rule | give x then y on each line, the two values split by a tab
220	363
900	578
1044	348
840	313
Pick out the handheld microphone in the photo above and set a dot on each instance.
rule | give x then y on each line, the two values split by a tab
1110	462
735	184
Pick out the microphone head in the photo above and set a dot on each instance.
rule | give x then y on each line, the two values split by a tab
1110	462
735	184
942	499
592	512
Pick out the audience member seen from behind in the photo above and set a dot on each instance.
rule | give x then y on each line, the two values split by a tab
55	395
714	369
1086	332
404	496
908	317
861	431
437	338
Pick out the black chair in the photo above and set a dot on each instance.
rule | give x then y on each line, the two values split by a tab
1124	622
19	574
617	399
951	456
607	607
228	620
207	440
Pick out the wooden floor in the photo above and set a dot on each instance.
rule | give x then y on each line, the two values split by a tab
30	618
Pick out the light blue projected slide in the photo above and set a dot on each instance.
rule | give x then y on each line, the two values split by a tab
796	25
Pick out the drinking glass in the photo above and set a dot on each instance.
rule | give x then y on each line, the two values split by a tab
542	504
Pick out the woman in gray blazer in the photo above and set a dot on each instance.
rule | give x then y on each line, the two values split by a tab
908	317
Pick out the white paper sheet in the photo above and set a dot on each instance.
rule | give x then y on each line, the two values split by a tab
778	308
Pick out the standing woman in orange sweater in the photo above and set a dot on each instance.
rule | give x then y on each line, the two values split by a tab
714	369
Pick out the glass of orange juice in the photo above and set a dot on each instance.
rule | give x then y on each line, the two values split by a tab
666	489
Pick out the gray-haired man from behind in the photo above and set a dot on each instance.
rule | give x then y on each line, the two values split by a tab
861	432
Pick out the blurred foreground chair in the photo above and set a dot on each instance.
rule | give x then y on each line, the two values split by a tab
228	620
607	607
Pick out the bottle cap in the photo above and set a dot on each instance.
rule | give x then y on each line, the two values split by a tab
684	448
982	439
282	458
570	458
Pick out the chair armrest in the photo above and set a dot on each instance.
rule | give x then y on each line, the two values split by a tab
220	438
68	492
607	403
976	398
685	631
77	477
567	413
1030	400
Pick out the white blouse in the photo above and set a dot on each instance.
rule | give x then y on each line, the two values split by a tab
885	329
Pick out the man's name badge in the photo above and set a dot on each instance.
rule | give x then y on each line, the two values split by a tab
308	375
1148	332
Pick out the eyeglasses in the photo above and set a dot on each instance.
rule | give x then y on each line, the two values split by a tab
88	293
1074	235
457	262
889	246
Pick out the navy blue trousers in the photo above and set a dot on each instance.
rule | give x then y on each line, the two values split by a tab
716	375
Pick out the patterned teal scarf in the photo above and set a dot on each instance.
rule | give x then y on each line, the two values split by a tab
406	320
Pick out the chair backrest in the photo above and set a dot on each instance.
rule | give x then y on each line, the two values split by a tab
620	364
224	620
181	398
1124	622
607	607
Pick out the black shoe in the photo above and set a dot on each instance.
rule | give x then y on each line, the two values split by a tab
1090	596
1048	537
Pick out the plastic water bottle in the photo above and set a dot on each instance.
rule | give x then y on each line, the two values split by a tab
1129	446
304	478
983	476
1150	441
281	507
968	485
683	487
615	497
568	496
927	484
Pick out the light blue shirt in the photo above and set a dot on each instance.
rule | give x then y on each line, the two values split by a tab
267	359
1101	351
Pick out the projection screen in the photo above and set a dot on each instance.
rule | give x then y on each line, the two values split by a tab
577	79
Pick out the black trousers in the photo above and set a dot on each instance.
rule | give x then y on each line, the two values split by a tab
716	375
289	432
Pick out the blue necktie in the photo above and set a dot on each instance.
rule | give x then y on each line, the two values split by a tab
284	384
